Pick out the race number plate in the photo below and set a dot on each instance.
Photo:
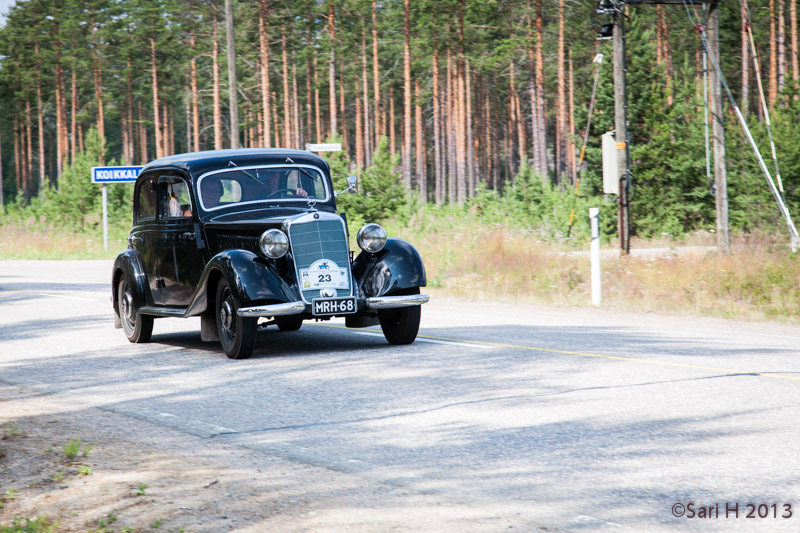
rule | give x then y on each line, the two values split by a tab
333	306
324	274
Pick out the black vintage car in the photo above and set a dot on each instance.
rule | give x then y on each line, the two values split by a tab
235	236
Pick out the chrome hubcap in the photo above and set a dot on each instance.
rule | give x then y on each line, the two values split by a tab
226	315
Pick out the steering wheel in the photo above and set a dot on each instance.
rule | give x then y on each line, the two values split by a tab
279	191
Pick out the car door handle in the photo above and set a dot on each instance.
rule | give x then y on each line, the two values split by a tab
134	239
188	236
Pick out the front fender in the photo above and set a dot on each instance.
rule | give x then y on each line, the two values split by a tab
398	266
250	277
128	264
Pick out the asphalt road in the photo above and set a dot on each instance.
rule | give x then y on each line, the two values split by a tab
574	419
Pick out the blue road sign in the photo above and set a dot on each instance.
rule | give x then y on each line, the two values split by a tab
114	174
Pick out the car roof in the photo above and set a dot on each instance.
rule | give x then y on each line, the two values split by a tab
198	163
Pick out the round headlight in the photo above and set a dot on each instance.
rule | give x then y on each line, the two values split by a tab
371	238
274	243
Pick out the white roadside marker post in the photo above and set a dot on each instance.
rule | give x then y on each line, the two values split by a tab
594	218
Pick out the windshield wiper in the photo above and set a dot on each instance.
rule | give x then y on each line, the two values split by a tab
304	171
246	173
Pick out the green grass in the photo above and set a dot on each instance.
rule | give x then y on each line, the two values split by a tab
40	524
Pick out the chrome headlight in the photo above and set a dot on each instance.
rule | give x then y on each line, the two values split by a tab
371	238
273	243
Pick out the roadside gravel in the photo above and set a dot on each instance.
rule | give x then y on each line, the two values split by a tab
148	478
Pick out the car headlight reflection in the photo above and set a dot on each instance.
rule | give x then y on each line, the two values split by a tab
274	243
371	238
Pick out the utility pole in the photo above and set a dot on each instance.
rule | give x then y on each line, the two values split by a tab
718	134
232	96
621	131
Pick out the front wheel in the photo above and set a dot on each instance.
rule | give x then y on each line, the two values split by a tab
236	334
401	325
137	327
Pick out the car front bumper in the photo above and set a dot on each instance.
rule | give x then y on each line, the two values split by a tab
296	308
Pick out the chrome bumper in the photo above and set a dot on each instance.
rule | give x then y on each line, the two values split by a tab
288	308
389	302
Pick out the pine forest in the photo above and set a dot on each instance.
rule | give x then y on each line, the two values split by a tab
469	101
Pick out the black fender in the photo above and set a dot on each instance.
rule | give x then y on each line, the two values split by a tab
251	278
398	266
129	265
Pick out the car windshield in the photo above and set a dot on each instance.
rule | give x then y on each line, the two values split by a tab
253	184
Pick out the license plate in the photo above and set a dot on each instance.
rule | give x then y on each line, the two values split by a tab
333	306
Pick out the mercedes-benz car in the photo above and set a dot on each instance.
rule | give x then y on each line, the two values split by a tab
252	238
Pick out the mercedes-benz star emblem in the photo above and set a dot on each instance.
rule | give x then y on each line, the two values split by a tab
311	202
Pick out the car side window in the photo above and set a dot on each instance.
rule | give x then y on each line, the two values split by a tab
174	198
146	202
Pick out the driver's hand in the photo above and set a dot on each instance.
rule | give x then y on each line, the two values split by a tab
301	193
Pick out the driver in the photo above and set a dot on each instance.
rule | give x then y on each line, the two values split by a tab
211	192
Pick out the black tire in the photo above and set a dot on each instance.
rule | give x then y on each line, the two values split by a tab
401	325
236	334
137	327
289	323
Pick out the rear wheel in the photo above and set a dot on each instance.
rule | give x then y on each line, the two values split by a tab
137	327
401	325
236	334
289	323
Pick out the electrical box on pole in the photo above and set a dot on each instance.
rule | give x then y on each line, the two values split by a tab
610	164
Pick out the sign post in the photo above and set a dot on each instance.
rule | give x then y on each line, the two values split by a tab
104	175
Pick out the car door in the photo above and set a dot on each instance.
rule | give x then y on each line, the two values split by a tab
180	257
144	234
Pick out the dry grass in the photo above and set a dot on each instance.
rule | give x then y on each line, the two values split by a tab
466	257
759	280
36	242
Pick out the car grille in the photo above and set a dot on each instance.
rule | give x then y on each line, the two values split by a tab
319	239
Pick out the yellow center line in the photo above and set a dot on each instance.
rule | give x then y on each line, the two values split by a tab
598	356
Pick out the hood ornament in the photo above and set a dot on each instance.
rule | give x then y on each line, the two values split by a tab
312	202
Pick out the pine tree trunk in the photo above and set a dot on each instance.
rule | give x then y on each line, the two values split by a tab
745	61
365	85
342	109
437	147
573	167
98	95
793	29
332	69
40	119
28	153
392	137
450	136
781	45
376	85
142	135
541	107
317	110
471	176
461	129
17	167
773	55
156	103
129	105
359	137
74	115
561	112
195	104
406	152
263	40
60	93
296	130
233	94
422	178
215	88
309	77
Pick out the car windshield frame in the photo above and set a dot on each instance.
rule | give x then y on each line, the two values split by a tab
250	174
